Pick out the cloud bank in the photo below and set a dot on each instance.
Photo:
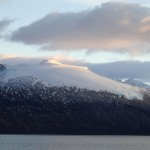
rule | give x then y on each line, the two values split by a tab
118	70
122	27
11	60
123	69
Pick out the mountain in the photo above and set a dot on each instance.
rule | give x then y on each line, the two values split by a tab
137	83
55	98
2	67
57	74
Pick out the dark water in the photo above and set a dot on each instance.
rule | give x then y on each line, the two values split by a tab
35	142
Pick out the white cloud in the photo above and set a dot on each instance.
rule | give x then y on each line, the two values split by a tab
10	59
120	69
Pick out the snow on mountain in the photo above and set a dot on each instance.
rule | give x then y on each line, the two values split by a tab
137	83
2	67
57	74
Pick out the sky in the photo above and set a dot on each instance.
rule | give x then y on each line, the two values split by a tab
79	31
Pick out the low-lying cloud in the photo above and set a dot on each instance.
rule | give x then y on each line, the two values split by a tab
120	27
116	70
123	69
119	69
12	60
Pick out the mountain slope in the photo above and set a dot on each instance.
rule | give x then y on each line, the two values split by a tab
2	67
57	74
137	83
29	106
45	99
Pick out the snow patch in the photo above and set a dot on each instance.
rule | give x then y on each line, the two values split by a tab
137	83
57	74
52	62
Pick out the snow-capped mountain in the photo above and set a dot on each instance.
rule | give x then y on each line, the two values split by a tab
137	83
56	98
2	67
57	74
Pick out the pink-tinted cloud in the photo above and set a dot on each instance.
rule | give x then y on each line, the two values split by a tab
10	59
120	69
111	27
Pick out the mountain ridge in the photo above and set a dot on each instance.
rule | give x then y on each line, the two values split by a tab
58	74
137	83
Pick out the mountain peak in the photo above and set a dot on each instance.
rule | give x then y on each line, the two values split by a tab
137	83
2	67
51	62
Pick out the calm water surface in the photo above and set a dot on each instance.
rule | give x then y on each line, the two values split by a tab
35	142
